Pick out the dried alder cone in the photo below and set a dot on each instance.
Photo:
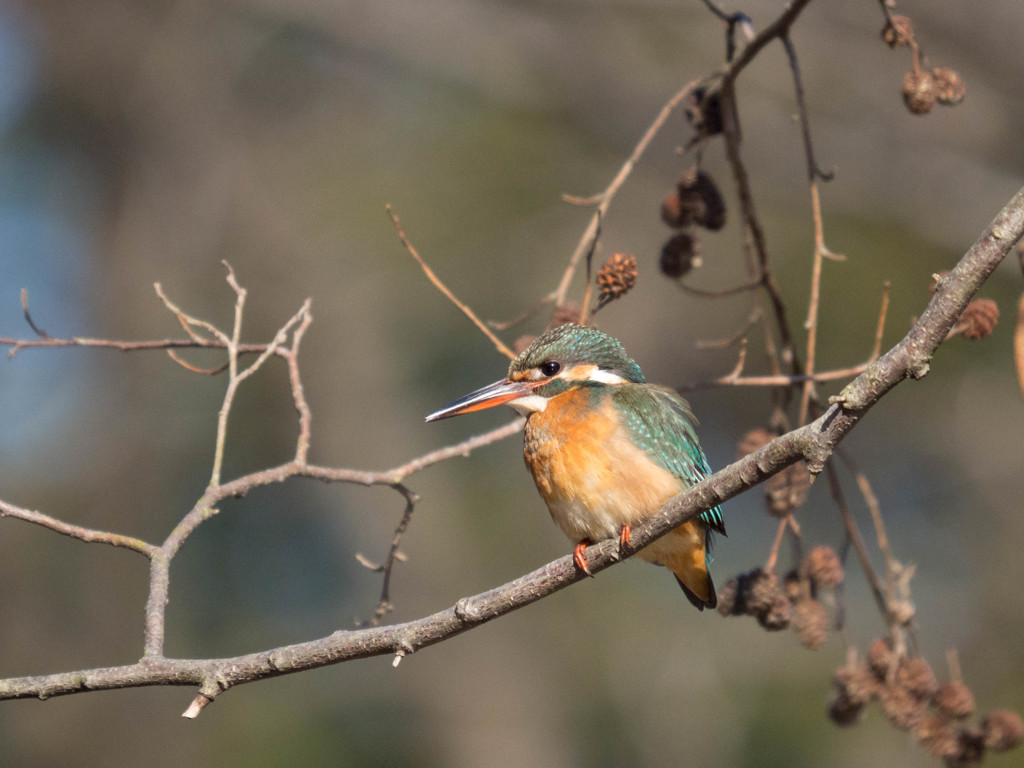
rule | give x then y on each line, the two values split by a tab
938	736
567	313
920	92
695	201
776	606
979	319
950	88
616	277
810	622
704	111
913	700
1002	730
880	657
922	89
823	567
699	196
752	440
787	491
916	676
679	255
953	701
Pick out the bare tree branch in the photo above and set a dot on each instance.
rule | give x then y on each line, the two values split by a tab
813	443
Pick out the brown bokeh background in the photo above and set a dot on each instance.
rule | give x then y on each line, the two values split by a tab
147	141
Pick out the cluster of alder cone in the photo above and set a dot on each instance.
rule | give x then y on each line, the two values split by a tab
695	202
923	86
905	687
913	700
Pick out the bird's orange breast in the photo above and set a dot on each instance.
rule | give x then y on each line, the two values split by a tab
593	478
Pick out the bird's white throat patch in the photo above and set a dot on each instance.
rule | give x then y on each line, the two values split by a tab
529	404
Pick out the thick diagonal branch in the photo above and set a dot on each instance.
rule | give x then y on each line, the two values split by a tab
813	443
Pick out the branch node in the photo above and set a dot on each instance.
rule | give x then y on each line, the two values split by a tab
920	369
815	465
467	611
404	649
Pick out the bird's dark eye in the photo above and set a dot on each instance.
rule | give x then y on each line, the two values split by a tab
550	367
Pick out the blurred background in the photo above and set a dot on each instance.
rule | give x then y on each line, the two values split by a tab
145	141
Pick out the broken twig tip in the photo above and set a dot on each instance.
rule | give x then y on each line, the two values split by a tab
198	704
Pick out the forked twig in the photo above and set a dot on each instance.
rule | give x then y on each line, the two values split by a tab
734	379
605	197
384	605
738	335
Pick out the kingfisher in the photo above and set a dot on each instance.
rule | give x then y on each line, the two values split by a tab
606	449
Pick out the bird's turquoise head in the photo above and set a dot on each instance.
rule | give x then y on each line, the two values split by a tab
558	360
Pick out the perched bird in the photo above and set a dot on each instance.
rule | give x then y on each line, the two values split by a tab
606	448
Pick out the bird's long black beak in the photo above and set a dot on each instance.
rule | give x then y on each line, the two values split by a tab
498	393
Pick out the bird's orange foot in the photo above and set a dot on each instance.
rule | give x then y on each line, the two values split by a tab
624	535
577	555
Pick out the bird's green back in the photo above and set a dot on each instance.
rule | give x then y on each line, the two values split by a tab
661	423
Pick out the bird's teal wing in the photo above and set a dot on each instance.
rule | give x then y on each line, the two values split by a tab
662	424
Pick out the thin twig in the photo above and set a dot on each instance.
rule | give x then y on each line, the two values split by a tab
384	605
1018	343
778	380
194	368
28	316
953	662
526	314
76	531
773	554
754	245
814	170
188	328
124	346
298	390
854	537
738	335
719	12
741	360
733	379
394	477
188	321
820	251
605	197
883	312
498	344
585	314
753	285
732	21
